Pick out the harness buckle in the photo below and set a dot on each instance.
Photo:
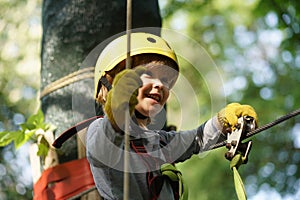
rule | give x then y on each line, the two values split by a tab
234	142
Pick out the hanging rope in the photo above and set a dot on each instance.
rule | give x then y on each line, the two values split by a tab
126	137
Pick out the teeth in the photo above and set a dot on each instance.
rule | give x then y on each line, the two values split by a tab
153	96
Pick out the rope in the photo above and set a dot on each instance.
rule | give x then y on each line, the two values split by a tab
67	80
262	128
126	137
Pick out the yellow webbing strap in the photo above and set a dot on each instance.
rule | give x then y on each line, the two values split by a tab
174	174
238	182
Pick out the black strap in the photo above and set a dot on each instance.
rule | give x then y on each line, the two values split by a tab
105	82
139	115
72	131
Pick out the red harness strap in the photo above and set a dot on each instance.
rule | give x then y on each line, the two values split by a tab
155	183
64	181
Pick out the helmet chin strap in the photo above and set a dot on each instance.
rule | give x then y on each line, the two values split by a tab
105	82
140	115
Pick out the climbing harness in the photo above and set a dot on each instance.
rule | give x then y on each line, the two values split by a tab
65	181
72	131
167	172
175	176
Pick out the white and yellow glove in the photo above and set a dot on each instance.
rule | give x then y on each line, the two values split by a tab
123	95
228	116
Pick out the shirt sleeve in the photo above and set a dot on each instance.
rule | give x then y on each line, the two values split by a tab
209	134
100	136
181	145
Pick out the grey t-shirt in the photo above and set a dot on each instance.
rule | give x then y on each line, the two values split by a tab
105	153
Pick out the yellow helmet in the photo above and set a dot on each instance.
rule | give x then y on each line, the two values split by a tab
116	51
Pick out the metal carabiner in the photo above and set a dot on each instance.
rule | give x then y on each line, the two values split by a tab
234	139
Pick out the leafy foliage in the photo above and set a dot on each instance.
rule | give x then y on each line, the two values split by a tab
256	45
20	33
34	130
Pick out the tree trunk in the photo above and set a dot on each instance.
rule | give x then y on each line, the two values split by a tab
71	29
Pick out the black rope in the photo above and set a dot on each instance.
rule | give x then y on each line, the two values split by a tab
262	128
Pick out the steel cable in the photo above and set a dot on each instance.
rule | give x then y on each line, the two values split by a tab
262	128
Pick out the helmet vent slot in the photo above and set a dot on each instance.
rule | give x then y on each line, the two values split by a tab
150	39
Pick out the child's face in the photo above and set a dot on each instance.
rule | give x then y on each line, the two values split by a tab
155	91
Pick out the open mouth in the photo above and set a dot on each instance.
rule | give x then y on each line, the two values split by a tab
156	97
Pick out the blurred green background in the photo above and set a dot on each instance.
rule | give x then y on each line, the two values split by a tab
255	45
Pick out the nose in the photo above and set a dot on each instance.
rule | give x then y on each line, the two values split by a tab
157	83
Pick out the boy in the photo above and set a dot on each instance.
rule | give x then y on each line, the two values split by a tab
140	93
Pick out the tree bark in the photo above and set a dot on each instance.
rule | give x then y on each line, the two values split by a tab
71	29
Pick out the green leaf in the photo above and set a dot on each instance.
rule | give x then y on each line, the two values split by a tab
42	126
40	116
2	134
36	119
43	148
6	137
27	132
27	126
49	127
21	138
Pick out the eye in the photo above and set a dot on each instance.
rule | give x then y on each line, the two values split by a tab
167	82
146	77
149	73
164	80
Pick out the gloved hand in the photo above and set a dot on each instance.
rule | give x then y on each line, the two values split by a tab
228	116
123	95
